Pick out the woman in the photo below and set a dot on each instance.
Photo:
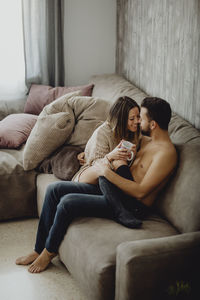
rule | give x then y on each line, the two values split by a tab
65	201
105	143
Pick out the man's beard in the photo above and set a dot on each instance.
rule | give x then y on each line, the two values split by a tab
146	132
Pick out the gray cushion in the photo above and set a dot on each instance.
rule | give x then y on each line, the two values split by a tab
11	107
112	86
89	251
17	187
182	132
179	202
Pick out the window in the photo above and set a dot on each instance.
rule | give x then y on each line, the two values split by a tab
12	66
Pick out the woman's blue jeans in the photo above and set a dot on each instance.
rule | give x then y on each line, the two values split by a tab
63	202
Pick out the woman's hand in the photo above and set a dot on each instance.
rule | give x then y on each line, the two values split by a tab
119	153
81	158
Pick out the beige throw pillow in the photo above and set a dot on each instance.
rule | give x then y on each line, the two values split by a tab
54	124
90	112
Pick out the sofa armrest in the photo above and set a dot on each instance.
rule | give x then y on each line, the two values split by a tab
146	268
14	106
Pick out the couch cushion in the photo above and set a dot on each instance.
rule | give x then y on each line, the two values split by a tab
17	187
43	180
90	255
112	86
89	113
179	202
181	131
14	106
63	163
41	95
54	124
15	129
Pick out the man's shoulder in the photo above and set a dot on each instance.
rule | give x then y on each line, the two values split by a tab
167	152
168	148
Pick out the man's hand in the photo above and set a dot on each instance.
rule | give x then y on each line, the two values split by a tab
81	158
101	168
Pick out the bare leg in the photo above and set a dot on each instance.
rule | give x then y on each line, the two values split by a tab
41	262
28	259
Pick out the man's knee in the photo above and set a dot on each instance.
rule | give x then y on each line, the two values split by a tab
52	194
68	202
51	189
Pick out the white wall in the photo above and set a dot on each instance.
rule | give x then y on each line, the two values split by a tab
89	39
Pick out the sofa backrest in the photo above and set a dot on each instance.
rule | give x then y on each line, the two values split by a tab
179	202
14	106
111	86
182	132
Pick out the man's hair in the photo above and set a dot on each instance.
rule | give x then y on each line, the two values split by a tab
118	118
158	110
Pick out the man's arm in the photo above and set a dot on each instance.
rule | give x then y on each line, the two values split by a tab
162	165
90	175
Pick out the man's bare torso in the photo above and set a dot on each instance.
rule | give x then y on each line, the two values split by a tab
143	161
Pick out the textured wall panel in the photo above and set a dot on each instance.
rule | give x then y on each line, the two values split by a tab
159	50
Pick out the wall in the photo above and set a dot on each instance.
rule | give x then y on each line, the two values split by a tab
159	50
89	39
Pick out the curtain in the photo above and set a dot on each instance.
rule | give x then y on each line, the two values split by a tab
43	41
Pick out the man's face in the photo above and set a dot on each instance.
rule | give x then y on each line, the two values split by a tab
145	123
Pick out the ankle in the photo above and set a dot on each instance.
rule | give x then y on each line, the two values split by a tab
50	254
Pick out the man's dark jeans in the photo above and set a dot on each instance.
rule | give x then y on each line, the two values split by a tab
63	202
66	200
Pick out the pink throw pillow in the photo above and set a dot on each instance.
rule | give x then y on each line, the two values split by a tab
15	129
41	95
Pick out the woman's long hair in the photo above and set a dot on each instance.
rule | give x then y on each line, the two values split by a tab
118	119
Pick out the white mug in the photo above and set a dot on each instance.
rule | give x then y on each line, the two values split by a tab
128	145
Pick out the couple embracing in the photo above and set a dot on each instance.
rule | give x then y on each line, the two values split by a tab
117	181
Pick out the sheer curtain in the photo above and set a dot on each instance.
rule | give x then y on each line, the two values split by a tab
12	67
31	48
43	41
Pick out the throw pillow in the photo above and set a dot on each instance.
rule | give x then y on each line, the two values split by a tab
90	112
41	95
15	129
63	163
54	124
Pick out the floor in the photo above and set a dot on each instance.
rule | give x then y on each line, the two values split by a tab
17	239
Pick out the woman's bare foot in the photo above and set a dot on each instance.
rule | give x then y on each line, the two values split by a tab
42	262
26	260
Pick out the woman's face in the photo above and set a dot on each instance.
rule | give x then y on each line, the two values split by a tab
133	119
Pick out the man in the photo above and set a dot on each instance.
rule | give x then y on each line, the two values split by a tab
154	163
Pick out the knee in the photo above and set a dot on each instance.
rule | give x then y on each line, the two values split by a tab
51	189
51	194
68	203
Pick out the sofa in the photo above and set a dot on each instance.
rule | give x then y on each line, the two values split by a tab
108	260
